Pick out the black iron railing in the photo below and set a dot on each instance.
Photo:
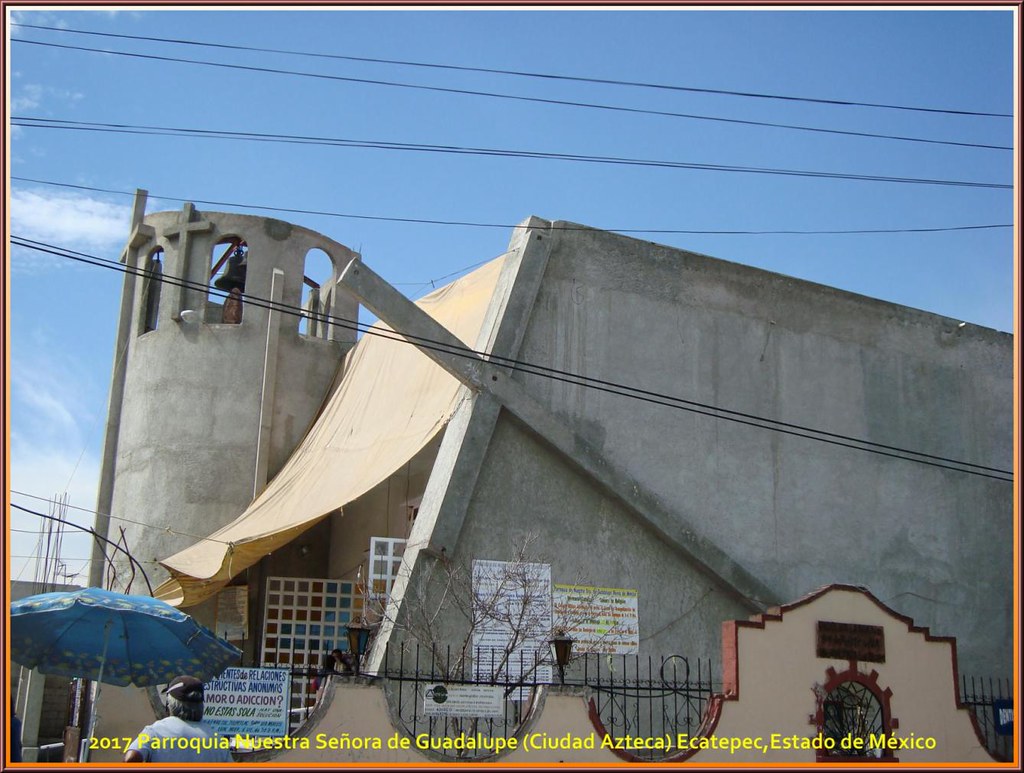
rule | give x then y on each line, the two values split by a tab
509	684
633	697
649	698
991	702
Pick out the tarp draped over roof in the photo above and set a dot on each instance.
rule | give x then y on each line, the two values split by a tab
391	402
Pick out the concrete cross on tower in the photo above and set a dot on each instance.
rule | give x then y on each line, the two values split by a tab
140	234
189	223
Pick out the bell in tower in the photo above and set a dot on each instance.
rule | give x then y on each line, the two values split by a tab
234	277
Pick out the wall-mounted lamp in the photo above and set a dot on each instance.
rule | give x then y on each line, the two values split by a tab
358	639
561	642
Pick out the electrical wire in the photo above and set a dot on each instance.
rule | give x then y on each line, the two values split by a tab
507	226
165	529
623	390
31	122
96	536
67	575
76	558
560	102
522	73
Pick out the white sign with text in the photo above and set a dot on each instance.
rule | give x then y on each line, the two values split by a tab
463	700
512	611
249	701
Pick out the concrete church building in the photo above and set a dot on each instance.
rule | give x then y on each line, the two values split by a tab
719	438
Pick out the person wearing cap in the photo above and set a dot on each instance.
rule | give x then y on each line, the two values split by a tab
182	736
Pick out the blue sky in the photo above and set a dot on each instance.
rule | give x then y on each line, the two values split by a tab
63	314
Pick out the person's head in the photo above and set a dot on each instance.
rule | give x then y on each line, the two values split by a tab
338	655
185	698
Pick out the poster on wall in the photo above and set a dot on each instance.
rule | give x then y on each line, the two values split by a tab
512	608
233	612
605	620
249	702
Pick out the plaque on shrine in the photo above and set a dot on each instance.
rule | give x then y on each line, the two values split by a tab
849	641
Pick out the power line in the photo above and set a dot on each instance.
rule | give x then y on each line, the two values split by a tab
96	536
623	390
507	226
66	574
291	139
525	74
61	559
514	97
165	529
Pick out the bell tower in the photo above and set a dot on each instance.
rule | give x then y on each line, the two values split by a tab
219	368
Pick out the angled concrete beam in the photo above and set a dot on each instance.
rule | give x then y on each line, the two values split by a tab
480	375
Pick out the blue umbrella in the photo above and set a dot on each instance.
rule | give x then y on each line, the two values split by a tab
113	638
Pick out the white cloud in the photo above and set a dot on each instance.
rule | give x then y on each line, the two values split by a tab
54	450
47	472
70	220
40	18
52	472
55	395
44	408
29	98
32	96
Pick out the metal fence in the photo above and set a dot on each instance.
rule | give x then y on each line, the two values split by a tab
649	698
634	697
991	702
412	672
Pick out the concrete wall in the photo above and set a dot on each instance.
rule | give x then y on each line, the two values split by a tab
773	681
773	677
796	513
360	711
589	538
193	441
776	669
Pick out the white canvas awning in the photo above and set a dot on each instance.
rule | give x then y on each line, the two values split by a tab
391	402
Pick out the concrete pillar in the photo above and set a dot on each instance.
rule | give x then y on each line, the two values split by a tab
270	359
28	705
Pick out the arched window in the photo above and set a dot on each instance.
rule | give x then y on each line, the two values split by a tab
151	294
229	263
318	271
852	711
854	717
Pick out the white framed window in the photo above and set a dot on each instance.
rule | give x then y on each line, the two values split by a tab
385	559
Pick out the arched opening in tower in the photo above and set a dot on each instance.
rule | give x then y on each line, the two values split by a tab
230	258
